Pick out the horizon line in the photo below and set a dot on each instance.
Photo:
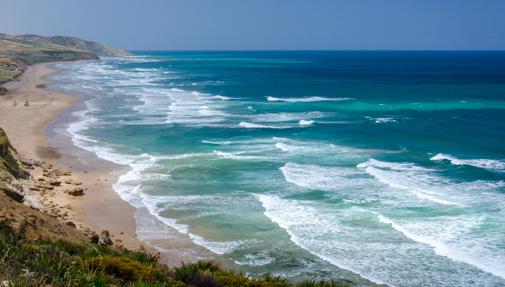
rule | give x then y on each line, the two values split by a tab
315	50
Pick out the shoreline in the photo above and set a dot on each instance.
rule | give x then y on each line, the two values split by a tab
32	141
42	137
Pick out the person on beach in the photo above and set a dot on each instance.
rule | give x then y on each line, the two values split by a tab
15	103
27	103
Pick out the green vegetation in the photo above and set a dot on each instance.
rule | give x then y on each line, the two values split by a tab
60	263
9	164
3	91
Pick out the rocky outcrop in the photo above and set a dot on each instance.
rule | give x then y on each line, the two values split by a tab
10	163
25	223
76	192
13	194
105	239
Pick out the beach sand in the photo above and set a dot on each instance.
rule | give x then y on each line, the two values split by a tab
29	129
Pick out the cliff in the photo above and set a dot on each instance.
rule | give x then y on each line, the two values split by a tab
10	163
19	51
18	221
74	43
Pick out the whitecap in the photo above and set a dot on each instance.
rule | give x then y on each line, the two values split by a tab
382	120
306	122
307	99
489	164
323	177
235	155
248	125
408	176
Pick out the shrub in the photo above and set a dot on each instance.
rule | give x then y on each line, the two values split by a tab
122	268
61	263
3	91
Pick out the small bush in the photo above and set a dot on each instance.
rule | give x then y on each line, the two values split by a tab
3	91
122	268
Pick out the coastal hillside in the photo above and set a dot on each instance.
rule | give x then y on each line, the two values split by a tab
72	43
19	51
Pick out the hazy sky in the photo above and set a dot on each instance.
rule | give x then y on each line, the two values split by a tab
265	24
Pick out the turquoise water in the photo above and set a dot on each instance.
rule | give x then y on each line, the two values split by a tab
387	164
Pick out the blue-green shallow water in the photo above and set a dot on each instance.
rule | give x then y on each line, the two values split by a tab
387	164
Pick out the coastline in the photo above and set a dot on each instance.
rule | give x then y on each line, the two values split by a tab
100	208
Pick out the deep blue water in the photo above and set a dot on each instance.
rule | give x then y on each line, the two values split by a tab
387	164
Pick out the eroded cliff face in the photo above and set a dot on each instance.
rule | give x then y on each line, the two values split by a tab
19	221
100	50
19	51
65	42
11	166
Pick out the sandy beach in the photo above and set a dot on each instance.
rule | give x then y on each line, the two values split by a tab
100	208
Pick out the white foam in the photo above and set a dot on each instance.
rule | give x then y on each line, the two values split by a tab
490	164
219	97
321	177
306	228
218	247
218	142
248	125
155	205
306	122
324	150
307	99
129	185
375	252
235	155
408	177
283	147
446	236
382	120
287	117
259	259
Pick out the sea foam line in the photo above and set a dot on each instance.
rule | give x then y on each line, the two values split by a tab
307	99
445	250
406	176
271	204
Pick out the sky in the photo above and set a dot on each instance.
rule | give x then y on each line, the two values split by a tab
265	24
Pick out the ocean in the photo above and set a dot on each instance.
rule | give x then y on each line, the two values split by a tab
387	164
